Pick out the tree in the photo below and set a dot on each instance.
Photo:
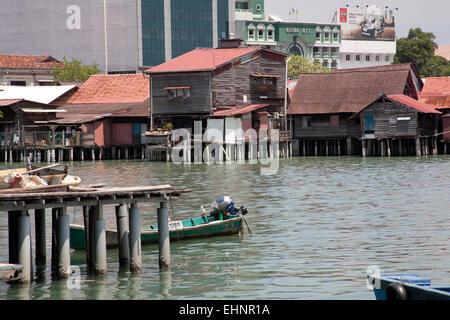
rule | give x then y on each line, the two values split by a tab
74	71
299	64
418	48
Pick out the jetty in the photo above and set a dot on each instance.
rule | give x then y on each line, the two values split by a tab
22	205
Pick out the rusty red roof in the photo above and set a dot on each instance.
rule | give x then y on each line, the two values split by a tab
440	85
234	111
18	61
413	103
103	89
208	59
346	91
83	113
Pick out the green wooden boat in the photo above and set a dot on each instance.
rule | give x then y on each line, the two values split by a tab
204	226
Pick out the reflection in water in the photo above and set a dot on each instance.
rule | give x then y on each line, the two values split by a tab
317	225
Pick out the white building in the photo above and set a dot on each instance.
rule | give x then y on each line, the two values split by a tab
368	36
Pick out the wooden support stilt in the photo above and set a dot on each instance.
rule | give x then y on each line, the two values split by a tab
382	148
86	210
418	147
122	234
364	150
163	233
54	258
135	239
40	234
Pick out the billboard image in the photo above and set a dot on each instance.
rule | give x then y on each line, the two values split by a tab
369	23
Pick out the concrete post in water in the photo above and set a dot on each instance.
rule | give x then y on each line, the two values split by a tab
24	246
383	148
388	141
39	227
63	238
418	147
100	242
122	234
364	151
135	239
163	234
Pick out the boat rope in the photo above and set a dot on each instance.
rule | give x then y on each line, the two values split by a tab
246	223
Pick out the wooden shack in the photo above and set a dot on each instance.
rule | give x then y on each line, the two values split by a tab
193	86
398	125
322	106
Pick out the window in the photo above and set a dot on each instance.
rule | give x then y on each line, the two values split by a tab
318	34
377	58
327	36
261	32
386	58
251	32
306	122
335	36
367	58
178	93
369	122
18	83
347	57
270	33
325	63
358	57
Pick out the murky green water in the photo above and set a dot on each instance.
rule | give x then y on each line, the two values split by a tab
317	225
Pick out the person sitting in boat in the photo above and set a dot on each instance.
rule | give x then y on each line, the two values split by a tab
223	205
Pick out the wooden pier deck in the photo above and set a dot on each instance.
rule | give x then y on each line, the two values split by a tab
21	205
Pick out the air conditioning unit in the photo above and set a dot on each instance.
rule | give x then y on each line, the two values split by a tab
244	98
276	115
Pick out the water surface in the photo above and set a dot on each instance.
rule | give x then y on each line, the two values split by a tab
317	225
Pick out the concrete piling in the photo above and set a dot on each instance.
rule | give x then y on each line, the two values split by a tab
24	256
100	266
163	234
123	234
135	239
63	244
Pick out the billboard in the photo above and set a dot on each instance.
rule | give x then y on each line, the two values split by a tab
368	23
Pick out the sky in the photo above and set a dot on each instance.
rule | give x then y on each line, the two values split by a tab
431	15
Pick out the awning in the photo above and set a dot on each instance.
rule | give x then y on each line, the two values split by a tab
176	88
37	110
238	110
258	75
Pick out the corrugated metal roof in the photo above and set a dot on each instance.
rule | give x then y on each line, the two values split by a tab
440	85
345	91
413	103
202	59
41	94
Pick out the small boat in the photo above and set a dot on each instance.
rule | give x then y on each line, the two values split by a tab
36	178
219	222
406	286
